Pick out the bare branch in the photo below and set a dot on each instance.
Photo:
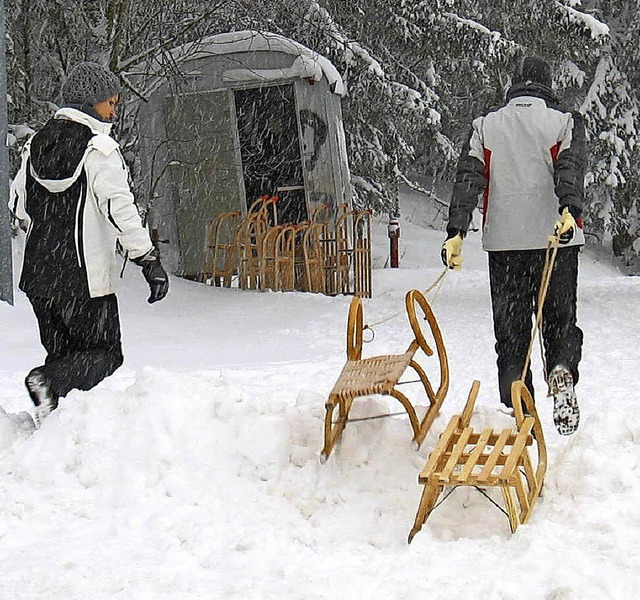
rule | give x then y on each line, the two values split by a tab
168	43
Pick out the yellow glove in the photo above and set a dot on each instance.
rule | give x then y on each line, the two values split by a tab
565	226
451	252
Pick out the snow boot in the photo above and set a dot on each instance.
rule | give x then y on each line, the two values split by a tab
566	413
43	397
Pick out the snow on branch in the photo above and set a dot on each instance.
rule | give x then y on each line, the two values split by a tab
592	99
598	29
406	97
494	38
612	114
350	48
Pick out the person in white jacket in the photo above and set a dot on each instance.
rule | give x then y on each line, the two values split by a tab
527	159
73	192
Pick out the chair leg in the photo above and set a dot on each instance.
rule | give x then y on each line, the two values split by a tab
428	500
510	505
413	418
425	424
435	402
332	432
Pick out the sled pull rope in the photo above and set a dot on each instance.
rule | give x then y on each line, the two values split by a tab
437	284
549	260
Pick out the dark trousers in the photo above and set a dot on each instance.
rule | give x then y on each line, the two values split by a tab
82	340
515	280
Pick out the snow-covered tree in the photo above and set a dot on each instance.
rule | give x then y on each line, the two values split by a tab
417	72
388	106
612	108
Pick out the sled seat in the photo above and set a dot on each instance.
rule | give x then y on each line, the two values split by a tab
381	374
488	458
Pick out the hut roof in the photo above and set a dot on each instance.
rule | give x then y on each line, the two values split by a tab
308	63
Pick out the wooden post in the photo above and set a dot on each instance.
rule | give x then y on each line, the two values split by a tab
394	235
6	267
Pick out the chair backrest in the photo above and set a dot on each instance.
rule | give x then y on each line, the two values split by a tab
520	393
314	268
354	329
414	300
321	214
285	258
220	235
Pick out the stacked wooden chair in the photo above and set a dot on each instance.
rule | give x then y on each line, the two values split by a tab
261	216
347	250
362	253
363	377
220	248
313	256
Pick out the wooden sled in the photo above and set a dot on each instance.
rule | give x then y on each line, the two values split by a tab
488	459
220	248
381	374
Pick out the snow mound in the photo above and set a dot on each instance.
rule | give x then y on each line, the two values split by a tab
14	427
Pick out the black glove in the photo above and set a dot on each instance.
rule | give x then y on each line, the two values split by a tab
155	275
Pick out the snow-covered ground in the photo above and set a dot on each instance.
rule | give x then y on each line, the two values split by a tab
194	472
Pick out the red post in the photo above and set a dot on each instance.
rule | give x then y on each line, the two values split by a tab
394	235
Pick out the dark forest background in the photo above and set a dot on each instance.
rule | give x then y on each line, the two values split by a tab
416	71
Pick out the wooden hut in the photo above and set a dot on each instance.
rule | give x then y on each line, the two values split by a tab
246	114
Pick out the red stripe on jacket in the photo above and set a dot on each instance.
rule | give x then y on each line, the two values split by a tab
485	195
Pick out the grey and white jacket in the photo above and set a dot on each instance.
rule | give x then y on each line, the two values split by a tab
72	188
527	159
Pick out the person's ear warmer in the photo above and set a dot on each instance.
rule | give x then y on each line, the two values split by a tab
565	226
155	275
451	252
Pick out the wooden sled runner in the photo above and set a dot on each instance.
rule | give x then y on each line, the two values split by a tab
488	458
381	374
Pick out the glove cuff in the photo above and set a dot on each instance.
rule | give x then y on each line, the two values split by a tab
150	257
576	213
454	231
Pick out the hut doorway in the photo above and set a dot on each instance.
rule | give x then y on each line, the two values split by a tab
270	147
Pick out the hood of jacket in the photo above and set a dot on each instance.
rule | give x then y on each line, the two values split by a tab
57	152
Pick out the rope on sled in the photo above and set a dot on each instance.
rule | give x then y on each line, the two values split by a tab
437	284
477	488
549	260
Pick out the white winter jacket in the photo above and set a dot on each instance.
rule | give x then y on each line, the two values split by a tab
108	212
528	159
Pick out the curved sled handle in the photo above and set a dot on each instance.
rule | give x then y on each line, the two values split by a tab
354	329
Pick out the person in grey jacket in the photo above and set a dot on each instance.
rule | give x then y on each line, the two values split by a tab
72	190
527	159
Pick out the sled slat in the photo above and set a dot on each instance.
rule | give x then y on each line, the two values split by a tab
472	459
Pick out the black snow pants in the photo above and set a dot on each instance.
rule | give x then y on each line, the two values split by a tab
515	280
82	340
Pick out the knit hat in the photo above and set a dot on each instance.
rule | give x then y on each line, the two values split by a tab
89	83
534	70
